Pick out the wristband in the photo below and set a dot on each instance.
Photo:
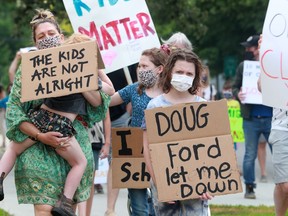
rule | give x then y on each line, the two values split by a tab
35	138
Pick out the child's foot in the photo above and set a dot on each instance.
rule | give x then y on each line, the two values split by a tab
1	186
63	207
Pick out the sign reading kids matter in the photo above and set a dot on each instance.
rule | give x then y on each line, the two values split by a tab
122	28
274	55
59	71
251	73
192	150
128	165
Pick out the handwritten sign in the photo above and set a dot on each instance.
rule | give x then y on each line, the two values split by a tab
274	55
196	148
251	73
59	71
236	121
128	164
123	29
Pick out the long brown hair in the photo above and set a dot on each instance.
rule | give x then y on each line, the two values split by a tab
158	57
181	55
43	16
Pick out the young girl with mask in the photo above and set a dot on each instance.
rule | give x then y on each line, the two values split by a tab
149	70
180	81
56	115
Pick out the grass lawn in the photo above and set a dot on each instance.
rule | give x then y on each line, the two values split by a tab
227	210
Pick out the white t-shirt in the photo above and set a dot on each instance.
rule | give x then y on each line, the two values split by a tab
280	119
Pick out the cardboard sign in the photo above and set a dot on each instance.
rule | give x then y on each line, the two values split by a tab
128	165
123	29
251	73
236	121
196	148
274	55
59	71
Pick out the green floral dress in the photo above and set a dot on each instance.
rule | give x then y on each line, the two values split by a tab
40	173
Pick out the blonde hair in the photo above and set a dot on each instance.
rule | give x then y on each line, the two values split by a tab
77	38
43	16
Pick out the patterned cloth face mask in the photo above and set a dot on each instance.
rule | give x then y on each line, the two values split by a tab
49	42
147	78
181	82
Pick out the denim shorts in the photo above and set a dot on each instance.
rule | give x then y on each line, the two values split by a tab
279	141
47	121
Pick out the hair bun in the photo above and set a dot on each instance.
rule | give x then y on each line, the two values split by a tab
42	15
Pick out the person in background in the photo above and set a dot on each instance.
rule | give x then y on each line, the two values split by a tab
14	65
256	119
177	40
99	136
262	158
119	117
279	140
208	90
40	173
180	81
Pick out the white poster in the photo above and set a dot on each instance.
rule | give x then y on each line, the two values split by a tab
102	172
251	72
123	29
274	55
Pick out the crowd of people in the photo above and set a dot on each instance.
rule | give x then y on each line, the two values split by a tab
55	143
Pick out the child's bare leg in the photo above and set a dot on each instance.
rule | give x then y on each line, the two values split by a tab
13	150
8	160
75	157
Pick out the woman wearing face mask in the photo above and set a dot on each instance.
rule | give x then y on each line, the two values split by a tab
40	171
180	81
149	70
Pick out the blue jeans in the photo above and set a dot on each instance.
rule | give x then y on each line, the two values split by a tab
139	202
252	131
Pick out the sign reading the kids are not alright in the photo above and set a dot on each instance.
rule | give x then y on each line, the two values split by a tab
59	71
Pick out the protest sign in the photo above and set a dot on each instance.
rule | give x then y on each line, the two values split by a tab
128	165
59	71
123	29
274	55
236	121
251	73
196	148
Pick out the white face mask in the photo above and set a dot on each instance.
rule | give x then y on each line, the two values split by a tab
181	82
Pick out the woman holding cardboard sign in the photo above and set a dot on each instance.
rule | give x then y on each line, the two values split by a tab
149	70
180	80
40	172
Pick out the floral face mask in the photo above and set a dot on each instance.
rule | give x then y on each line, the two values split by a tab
49	42
147	78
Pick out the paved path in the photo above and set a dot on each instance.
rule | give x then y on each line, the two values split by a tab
264	193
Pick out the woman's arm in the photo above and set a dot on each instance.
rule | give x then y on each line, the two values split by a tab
19	126
107	85
107	136
116	99
13	66
93	98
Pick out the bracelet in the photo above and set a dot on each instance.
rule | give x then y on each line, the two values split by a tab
35	138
